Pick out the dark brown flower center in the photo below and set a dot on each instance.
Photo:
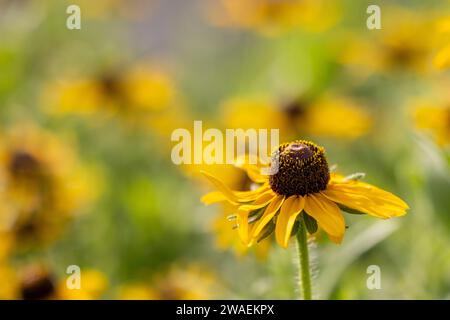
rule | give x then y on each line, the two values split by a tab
302	169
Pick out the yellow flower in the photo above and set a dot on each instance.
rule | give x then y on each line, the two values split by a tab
436	120
37	281
404	43
328	116
274	17
93	284
43	186
134	94
187	283
302	185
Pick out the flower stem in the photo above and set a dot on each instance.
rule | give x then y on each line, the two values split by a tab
304	267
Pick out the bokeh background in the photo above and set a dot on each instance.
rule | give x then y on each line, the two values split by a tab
86	116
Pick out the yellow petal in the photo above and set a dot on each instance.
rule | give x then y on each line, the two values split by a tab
263	200
291	208
251	195
366	198
242	221
336	240
213	197
269	213
229	195
327	214
255	175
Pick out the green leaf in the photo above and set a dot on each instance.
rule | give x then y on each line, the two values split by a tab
267	231
295	228
349	210
255	215
310	222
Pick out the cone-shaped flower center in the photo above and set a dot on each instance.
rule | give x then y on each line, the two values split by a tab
302	169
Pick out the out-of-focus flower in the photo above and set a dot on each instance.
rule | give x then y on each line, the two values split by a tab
143	94
404	43
335	117
42	186
302	187
442	58
187	283
274	17
38	282
93	284
434	119
140	89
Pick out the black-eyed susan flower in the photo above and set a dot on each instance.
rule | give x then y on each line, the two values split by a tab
139	88
330	116
302	185
43	186
300	194
37	281
141	94
403	44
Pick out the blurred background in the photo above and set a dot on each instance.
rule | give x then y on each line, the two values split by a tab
86	116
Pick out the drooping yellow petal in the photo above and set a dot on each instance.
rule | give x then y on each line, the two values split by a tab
366	198
336	240
213	197
269	213
251	195
253	171
229	195
290	209
263	200
327	214
242	221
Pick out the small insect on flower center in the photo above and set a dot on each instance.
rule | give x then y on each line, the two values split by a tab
302	169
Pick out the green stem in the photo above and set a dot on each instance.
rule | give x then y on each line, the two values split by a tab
304	267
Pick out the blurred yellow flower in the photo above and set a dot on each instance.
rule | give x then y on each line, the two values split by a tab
93	284
178	283
43	185
37	281
329	116
434	119
133	94
140	88
404	43
274	17
301	187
